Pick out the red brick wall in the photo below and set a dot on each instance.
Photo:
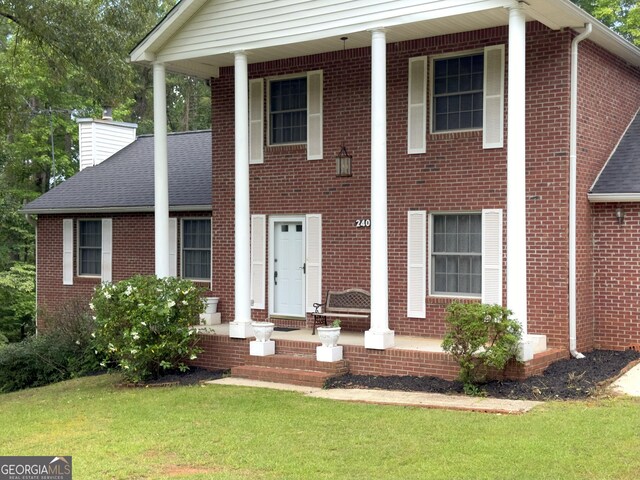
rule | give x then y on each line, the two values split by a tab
616	279
455	174
222	352
133	253
609	97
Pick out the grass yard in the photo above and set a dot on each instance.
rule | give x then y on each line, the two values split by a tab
232	433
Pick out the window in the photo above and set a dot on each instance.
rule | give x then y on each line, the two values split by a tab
89	247
456	254
288	111
196	249
458	93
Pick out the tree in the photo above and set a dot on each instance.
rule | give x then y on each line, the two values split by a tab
60	60
622	16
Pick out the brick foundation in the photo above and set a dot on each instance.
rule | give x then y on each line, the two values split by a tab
222	352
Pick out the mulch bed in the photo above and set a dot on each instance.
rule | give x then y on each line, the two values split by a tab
193	376
568	379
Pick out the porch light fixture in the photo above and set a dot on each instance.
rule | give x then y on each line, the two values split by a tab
343	163
620	215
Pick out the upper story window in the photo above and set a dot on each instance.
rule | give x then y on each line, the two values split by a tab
196	249
456	254
89	247
288	111
458	93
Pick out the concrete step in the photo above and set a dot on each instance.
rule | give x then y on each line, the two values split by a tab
291	376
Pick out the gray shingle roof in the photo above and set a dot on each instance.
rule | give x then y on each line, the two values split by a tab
621	174
124	182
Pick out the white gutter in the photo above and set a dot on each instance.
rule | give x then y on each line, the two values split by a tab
573	149
613	197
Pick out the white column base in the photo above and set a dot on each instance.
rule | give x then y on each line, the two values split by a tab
240	330
262	349
328	354
379	340
210	318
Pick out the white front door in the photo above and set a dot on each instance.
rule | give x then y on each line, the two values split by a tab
288	268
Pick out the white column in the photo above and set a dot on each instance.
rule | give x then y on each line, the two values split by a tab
379	336
241	326
161	171
516	178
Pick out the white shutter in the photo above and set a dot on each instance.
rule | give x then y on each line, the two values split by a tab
417	114
106	249
256	121
492	256
493	119
416	264
313	261
173	247
314	115
67	251
258	263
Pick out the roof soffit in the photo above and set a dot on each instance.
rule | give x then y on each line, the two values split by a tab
200	36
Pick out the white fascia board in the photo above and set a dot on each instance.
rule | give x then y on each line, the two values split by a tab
141	209
170	24
613	197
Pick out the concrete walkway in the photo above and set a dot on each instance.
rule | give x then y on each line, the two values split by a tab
629	383
392	397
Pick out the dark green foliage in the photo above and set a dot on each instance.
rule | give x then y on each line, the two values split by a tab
480	336
17	301
143	324
65	351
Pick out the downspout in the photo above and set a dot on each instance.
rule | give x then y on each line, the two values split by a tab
573	149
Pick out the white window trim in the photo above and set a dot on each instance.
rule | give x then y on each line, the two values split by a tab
431	266
181	239
77	250
432	106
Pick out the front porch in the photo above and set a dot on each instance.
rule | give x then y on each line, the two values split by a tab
295	352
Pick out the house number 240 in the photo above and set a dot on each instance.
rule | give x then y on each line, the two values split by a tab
363	223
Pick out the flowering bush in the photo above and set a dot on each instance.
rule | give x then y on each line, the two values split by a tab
480	335
143	325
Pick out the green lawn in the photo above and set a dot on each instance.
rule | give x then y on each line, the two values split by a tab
233	432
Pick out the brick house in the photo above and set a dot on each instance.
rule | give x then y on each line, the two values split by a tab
424	151
98	225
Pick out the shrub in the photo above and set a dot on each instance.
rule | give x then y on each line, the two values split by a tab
63	351
480	335
73	325
143	325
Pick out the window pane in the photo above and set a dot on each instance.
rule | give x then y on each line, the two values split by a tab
288	116
458	86
90	261
196	248
456	254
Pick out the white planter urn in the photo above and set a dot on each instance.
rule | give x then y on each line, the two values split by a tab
329	351
329	336
211	304
262	331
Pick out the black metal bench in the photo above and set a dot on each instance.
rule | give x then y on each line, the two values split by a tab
353	303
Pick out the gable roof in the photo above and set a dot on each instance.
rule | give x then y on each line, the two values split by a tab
124	182
619	180
200	36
